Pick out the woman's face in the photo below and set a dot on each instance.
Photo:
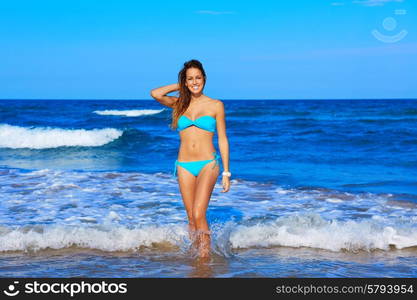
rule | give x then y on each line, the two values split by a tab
194	80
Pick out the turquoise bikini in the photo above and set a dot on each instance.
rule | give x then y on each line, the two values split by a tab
207	123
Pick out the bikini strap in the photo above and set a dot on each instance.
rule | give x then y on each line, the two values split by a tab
216	158
175	167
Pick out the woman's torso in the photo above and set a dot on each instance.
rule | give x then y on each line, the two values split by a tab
197	143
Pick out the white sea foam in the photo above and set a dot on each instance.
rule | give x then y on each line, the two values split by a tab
315	232
114	238
44	137
296	231
129	113
130	206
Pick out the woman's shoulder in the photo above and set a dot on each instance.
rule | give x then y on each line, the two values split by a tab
216	106
214	102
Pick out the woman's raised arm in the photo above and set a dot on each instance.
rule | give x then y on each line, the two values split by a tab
160	94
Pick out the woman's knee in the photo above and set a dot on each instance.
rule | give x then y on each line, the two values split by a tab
199	216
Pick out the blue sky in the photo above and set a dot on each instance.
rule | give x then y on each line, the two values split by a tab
298	49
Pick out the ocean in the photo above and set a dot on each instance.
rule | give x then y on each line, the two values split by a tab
320	188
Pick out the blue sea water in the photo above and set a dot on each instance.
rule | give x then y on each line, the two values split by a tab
320	188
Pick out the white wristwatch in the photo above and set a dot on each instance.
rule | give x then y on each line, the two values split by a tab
228	174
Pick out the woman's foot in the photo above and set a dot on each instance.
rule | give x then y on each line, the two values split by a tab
203	238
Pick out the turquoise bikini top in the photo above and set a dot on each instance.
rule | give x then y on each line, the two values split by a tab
205	122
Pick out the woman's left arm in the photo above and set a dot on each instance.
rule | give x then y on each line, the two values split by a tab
223	143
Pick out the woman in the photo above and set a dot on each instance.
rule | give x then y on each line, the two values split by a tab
196	117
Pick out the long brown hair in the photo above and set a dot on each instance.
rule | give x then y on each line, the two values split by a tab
184	94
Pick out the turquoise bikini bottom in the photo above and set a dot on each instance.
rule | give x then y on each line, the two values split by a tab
194	167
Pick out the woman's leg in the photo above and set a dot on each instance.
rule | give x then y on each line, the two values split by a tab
205	183
187	184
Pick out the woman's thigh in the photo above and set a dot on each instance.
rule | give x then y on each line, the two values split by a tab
187	184
206	180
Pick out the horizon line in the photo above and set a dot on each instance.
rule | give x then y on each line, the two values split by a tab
245	99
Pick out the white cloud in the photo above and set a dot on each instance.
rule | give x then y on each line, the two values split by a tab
337	3
214	12
374	2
